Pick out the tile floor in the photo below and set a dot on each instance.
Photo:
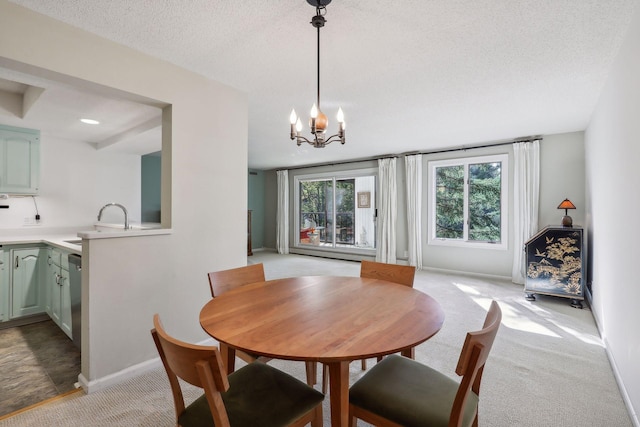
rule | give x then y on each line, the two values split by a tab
37	362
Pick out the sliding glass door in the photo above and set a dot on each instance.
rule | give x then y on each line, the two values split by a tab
335	211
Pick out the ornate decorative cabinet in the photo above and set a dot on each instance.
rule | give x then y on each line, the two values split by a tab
555	264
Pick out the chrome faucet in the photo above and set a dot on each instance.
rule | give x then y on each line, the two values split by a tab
126	214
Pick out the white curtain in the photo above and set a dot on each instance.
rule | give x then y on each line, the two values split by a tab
282	215
387	207
413	172
525	201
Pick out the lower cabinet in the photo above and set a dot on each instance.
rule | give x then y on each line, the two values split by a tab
27	296
35	280
4	286
58	289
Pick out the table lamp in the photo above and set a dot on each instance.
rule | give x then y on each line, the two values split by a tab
566	219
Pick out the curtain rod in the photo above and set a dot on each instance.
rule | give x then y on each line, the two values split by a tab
411	153
344	162
472	147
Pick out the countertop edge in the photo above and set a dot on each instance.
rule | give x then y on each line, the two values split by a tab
60	240
124	233
57	240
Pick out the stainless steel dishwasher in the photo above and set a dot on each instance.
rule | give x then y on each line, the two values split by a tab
75	288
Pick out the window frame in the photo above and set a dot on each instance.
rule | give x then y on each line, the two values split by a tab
331	176
504	202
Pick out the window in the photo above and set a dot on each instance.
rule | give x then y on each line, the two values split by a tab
468	202
331	211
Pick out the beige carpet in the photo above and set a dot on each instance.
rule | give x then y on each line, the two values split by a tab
547	367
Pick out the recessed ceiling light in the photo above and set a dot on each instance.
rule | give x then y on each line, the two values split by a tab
90	121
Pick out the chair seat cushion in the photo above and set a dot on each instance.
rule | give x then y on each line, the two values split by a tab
409	393
258	395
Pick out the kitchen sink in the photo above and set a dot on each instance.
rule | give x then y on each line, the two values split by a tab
74	242
120	227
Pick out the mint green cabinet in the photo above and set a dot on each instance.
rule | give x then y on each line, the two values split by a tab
58	291
4	287
27	296
19	160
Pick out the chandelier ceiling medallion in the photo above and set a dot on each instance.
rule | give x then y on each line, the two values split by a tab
318	121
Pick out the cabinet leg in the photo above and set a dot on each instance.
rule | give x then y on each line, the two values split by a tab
530	296
576	303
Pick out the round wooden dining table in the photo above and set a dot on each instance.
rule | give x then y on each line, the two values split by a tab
327	319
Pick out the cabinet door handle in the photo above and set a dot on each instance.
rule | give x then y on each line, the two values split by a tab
17	265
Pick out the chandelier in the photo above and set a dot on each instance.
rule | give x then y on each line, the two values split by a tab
318	121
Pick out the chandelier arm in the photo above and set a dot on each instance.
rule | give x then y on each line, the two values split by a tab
333	138
300	137
315	141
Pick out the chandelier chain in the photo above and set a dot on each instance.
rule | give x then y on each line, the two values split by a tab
318	121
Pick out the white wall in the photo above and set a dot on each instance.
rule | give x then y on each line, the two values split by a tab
612	159
562	175
75	181
127	280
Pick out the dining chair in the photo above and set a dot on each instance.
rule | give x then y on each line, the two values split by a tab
254	395
226	280
396	273
399	391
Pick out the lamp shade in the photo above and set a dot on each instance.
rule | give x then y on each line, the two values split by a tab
566	204
567	221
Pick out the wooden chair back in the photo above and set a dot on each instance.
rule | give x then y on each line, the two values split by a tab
226	280
198	365
473	356
401	274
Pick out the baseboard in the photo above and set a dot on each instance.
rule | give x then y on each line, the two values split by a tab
334	254
107	381
470	274
614	367
359	257
623	391
127	373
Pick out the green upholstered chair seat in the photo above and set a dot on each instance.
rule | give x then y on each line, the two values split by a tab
258	395
410	393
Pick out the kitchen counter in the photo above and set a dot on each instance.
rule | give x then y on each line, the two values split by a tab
58	240
110	231
61	237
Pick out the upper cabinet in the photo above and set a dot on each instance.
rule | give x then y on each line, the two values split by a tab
19	160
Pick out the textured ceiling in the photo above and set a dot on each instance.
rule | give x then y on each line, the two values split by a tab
56	109
410	75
